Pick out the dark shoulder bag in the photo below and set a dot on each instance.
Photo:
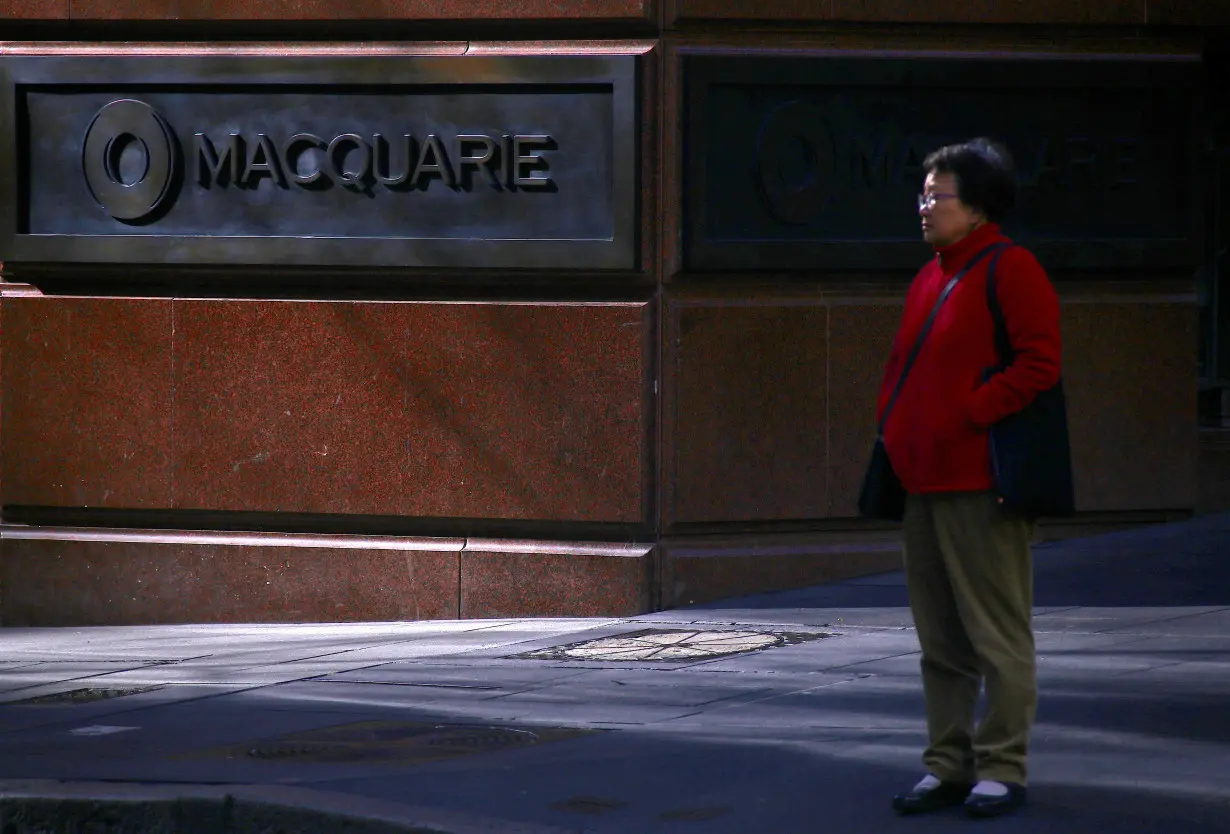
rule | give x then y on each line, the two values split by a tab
1030	453
882	495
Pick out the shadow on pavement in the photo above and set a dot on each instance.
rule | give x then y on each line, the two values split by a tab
1181	564
646	781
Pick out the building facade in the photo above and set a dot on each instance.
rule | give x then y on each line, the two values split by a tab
324	311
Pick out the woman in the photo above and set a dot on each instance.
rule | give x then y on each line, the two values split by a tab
968	566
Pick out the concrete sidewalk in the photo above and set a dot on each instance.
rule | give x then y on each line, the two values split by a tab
512	726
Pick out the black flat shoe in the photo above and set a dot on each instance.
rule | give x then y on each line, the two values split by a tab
994	806
944	795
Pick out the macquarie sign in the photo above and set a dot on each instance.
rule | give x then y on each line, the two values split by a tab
435	162
814	162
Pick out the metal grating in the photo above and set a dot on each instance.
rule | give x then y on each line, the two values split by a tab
672	645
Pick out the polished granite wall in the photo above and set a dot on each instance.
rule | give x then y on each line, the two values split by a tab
771	400
688	436
482	410
107	577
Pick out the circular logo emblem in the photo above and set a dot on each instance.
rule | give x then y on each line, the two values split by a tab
796	158
131	158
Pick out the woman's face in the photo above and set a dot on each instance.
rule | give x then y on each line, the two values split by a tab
945	219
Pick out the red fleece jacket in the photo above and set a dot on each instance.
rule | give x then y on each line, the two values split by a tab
936	435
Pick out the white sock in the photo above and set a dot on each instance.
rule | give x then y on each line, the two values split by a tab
928	783
987	788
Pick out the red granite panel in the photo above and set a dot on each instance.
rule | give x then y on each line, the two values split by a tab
1130	377
1188	12
419	10
527	411
78	583
87	402
448	410
702	571
748	410
989	11
860	336
547	580
434	583
34	9
792	10
287	406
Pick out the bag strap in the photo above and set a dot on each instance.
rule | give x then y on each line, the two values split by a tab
1003	344
926	329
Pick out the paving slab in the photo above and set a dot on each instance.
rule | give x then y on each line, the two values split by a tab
19	716
239	672
1148	620
496	641
549	706
1192	677
603	693
1190	647
40	674
284	642
830	609
427	684
1185	621
848	649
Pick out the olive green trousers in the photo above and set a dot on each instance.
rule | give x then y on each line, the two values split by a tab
969	572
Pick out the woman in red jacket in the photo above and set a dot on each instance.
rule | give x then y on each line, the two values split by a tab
968	566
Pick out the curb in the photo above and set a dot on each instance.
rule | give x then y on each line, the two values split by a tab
39	806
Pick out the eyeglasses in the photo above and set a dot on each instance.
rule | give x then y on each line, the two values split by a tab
927	201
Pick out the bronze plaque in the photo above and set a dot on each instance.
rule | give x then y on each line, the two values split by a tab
798	163
440	162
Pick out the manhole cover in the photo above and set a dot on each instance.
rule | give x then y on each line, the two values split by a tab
392	742
81	696
670	645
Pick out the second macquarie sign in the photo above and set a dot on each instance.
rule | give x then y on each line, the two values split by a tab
804	162
504	162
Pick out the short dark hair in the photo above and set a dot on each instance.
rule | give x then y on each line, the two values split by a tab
985	175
